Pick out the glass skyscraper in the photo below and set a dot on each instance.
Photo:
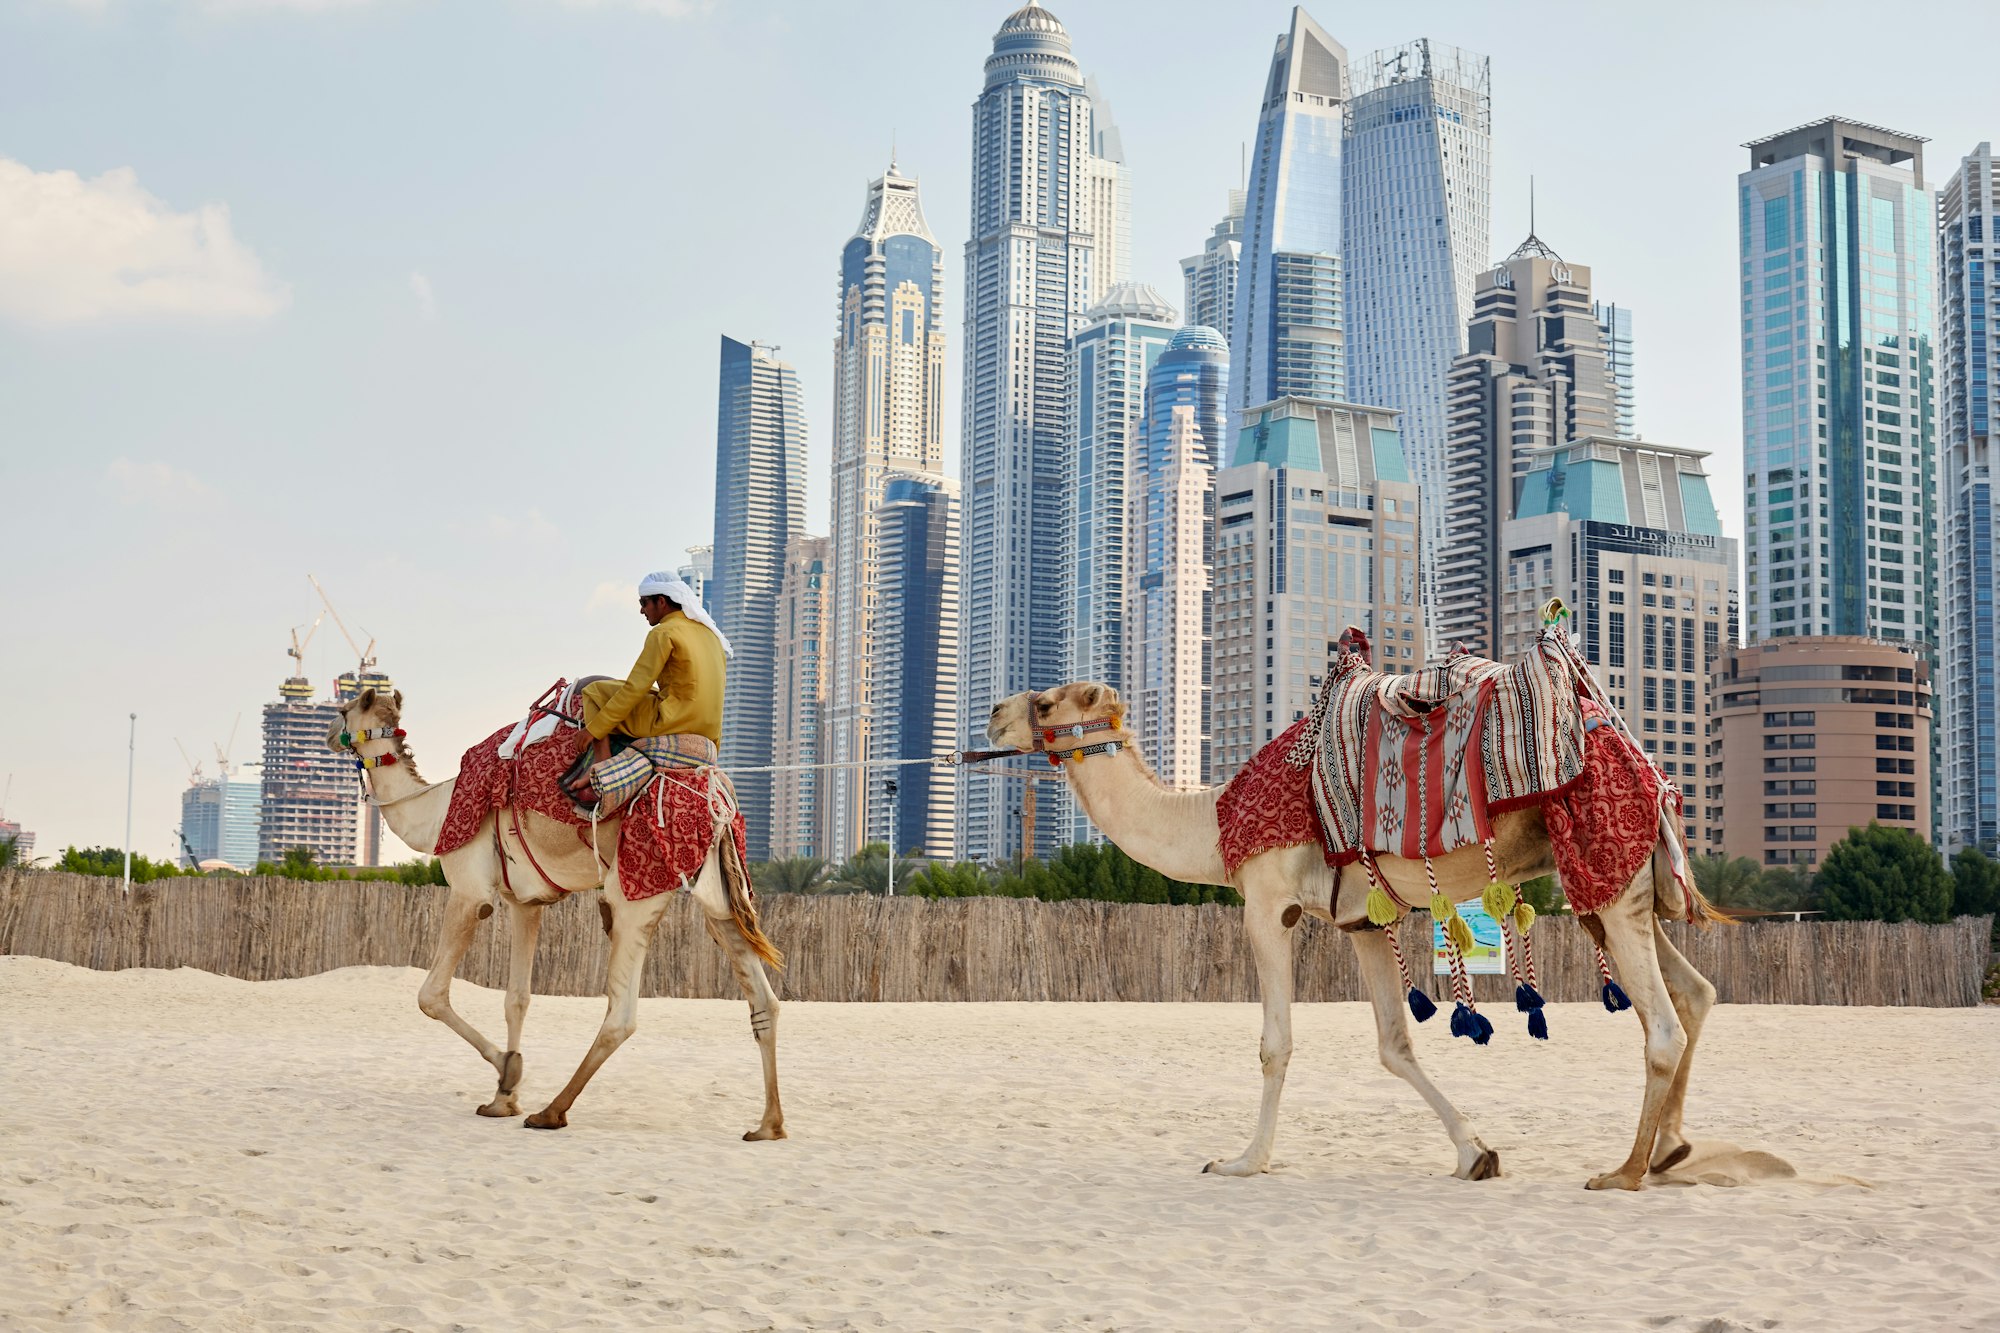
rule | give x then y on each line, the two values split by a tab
1416	231
1030	273
916	663
888	416
1288	333
1209	278
760	502
1614	330
1969	756
1172	544
1837	275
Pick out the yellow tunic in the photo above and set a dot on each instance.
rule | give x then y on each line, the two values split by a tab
675	686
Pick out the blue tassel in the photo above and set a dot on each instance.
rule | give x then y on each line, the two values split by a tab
1614	998
1461	1020
1482	1029
1466	1022
1420	1005
1527	999
1538	1025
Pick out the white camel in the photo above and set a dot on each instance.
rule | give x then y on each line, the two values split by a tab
1177	834
415	810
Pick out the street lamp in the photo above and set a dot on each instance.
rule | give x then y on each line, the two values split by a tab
889	786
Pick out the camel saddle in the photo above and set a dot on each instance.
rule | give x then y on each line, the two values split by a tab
1418	765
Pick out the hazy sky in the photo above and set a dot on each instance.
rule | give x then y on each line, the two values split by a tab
423	298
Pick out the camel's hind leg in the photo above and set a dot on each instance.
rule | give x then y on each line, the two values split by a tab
1267	896
1476	1161
1693	996
713	895
632	926
463	911
525	920
1629	939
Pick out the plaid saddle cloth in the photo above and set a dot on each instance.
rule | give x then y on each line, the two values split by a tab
625	774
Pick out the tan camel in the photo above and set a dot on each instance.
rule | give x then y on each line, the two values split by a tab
415	810
1177	834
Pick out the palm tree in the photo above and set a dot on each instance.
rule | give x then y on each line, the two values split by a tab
867	871
794	874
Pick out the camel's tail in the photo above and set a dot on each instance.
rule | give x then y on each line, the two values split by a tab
1675	894
742	903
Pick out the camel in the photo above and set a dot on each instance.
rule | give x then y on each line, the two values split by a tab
1177	833
415	810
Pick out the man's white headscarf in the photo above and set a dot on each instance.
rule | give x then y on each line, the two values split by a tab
662	583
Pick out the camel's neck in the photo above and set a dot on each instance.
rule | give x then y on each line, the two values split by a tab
413	809
1174	832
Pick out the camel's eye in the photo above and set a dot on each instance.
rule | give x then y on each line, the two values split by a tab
1042	709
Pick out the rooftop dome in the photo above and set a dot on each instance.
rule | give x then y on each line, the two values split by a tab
1032	44
1198	335
1131	300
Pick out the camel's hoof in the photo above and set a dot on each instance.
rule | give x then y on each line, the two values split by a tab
545	1119
763	1135
501	1108
1486	1166
1238	1168
1673	1159
1613	1180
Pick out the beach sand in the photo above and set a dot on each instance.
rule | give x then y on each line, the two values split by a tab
181	1150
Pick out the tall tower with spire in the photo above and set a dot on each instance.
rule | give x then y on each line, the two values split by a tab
1289	335
888	405
1031	271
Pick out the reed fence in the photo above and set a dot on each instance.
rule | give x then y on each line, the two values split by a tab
860	948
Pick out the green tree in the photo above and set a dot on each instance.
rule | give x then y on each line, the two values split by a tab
1544	895
867	871
1975	887
964	879
110	861
793	874
1726	881
1883	874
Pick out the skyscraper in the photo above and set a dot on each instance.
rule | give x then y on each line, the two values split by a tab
1209	278
311	796
760	501
888	405
219	817
1614	331
1317	531
1109	210
1030	273
1838	276
798	703
1416	231
1171	545
916	664
1969	759
1289	331
1627	535
1532	378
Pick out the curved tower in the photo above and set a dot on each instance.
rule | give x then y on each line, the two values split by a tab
888	396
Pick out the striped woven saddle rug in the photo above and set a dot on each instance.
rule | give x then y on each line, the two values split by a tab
1418	765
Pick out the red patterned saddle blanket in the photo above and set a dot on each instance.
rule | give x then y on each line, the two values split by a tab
665	833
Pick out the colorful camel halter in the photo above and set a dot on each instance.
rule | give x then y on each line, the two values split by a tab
1046	737
351	741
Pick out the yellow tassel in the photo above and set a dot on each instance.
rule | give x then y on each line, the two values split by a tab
1381	912
1460	933
1524	917
1498	899
1441	907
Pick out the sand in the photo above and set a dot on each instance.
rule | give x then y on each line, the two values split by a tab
181	1150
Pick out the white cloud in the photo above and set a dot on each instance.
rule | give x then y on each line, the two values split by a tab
75	251
420	287
160	484
608	595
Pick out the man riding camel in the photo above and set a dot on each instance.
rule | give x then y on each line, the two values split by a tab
672	699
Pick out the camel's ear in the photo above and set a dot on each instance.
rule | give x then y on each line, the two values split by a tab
398	697
1091	695
366	701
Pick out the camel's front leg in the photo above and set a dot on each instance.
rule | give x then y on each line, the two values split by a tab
632	926
1693	995
525	919
1379	973
463	911
1628	938
713	896
1266	898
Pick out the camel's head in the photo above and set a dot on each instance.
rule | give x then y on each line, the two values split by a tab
368	711
1018	717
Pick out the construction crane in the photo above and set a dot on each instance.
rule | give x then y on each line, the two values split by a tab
297	652
367	655
222	752
194	765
